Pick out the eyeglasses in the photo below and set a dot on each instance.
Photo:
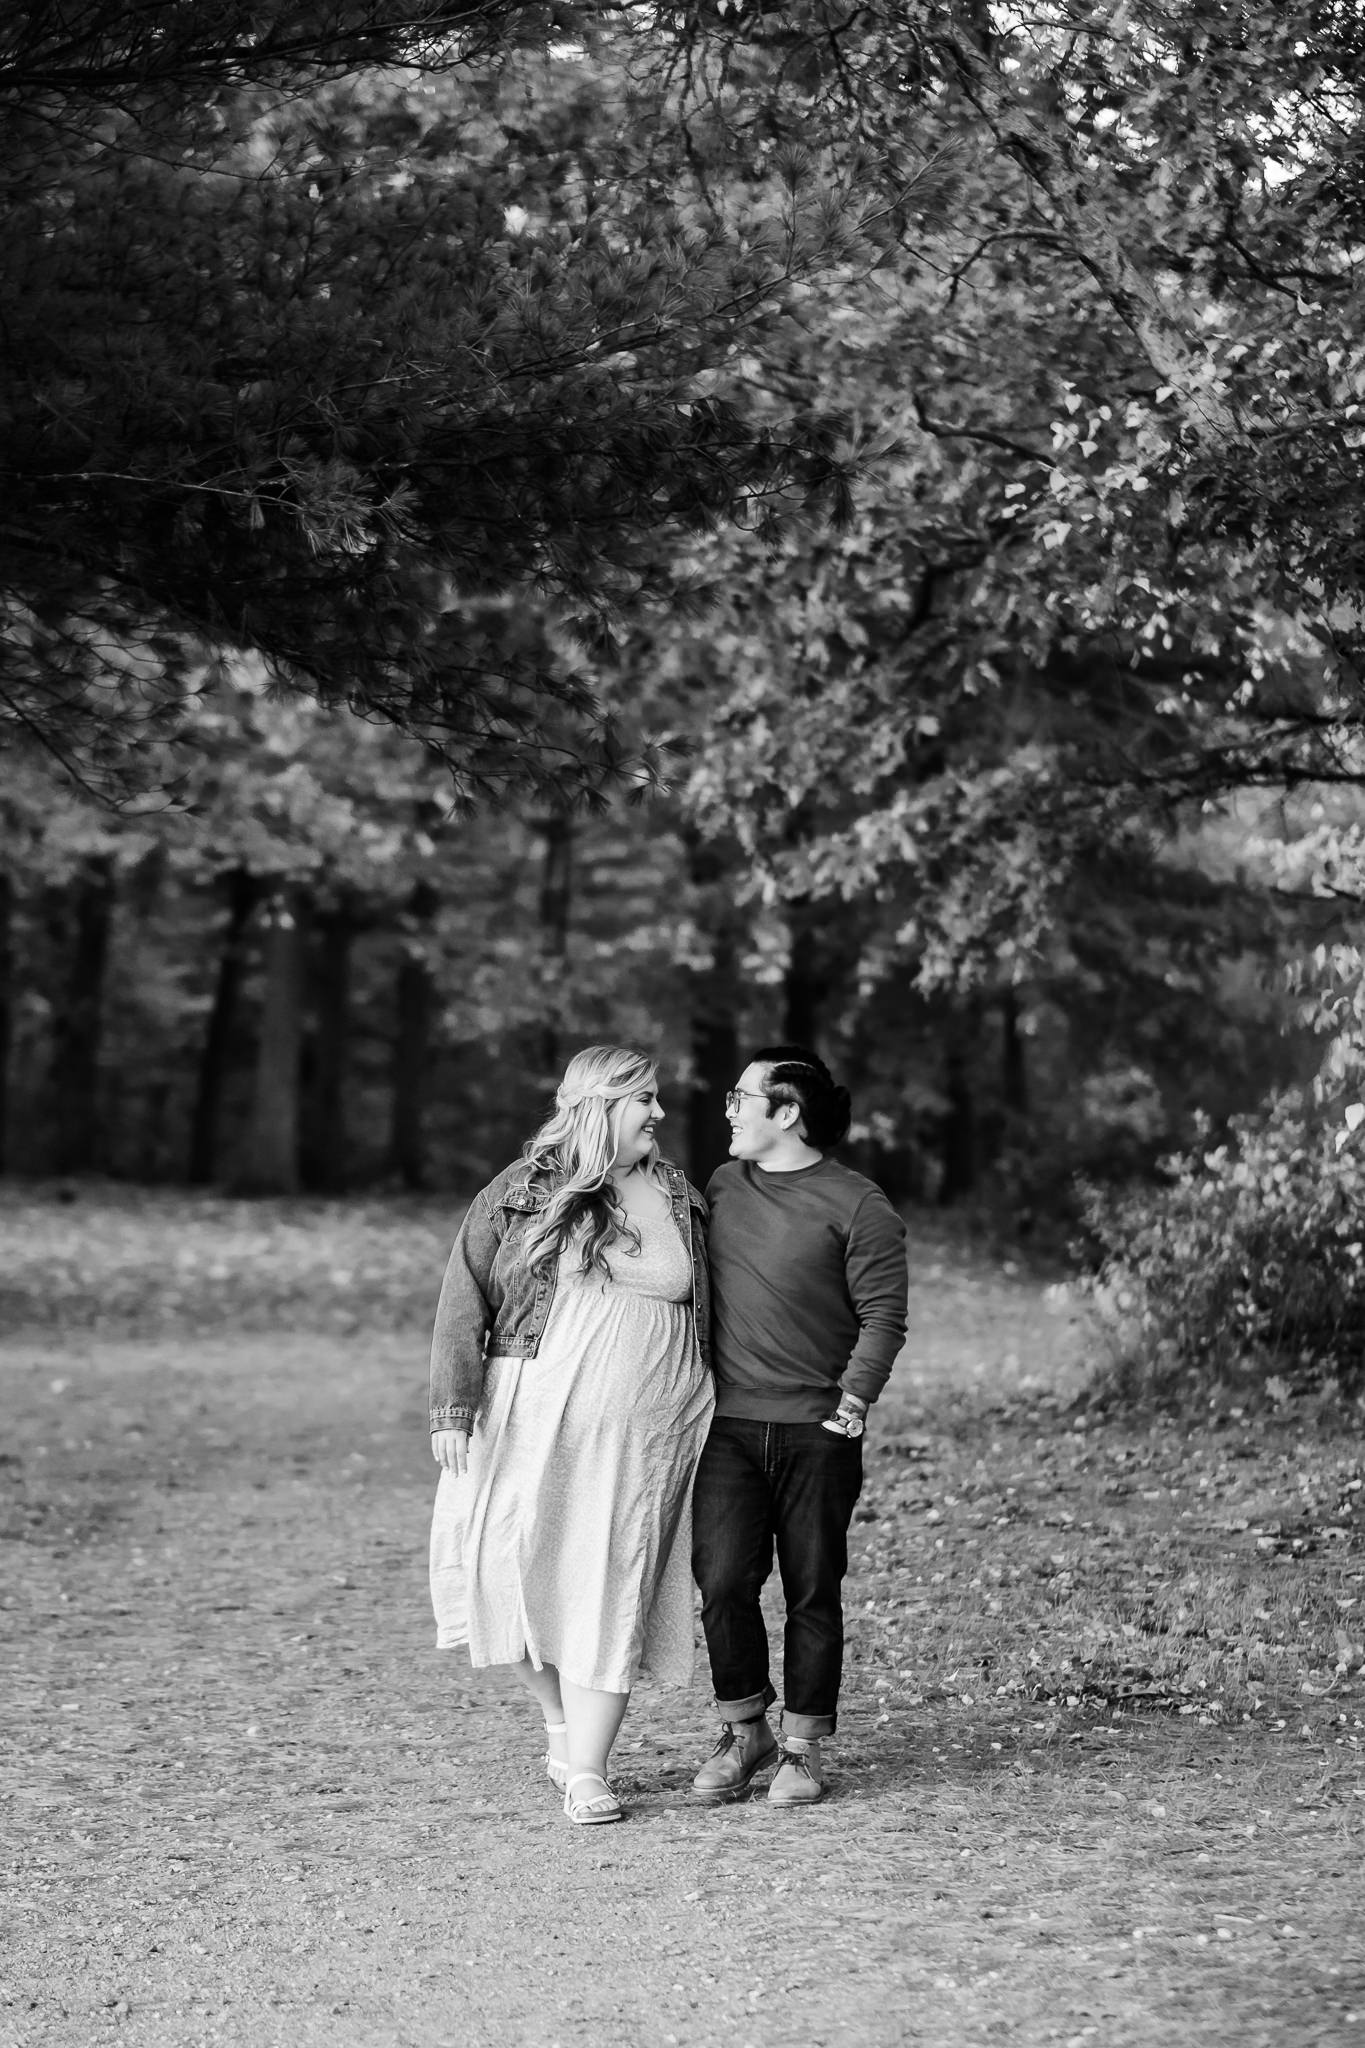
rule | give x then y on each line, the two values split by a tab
734	1097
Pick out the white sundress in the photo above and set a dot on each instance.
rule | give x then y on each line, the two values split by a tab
569	1539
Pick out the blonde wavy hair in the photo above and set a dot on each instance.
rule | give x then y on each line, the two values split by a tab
575	1149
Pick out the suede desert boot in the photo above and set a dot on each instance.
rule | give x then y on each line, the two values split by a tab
744	1749
800	1779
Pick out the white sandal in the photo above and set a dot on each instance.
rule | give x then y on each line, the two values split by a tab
556	1771
591	1812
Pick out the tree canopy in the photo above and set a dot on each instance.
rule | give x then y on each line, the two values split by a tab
324	342
331	333
931	432
1192	173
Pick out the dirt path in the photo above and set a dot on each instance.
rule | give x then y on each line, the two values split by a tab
246	1802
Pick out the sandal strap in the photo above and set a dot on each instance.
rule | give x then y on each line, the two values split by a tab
588	1777
605	1806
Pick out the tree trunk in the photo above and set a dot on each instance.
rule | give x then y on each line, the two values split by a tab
243	893
412	1043
1013	1058
324	1149
270	1165
805	988
714	1032
6	1008
957	1136
151	1150
73	1075
715	1059
556	904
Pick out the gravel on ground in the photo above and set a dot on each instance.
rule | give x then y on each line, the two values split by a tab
245	1801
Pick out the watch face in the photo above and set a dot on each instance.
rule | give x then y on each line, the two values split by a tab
845	1423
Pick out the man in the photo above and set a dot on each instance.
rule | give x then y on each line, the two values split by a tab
808	1312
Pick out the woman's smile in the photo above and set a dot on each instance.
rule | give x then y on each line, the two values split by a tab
641	1116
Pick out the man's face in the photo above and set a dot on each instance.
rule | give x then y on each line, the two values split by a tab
756	1129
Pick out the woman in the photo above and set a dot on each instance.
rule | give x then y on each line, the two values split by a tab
570	1397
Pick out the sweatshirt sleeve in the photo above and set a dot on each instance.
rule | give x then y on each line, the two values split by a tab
878	1287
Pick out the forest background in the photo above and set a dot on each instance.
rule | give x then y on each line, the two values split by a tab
524	525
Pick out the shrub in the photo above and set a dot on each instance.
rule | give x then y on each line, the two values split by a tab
1248	1263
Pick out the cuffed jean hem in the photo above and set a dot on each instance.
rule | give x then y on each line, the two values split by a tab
746	1709
808	1727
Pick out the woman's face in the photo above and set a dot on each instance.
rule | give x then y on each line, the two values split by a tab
639	1114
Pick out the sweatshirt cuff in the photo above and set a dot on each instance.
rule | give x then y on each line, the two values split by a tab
864	1381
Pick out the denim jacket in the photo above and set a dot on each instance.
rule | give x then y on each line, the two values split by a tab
493	1305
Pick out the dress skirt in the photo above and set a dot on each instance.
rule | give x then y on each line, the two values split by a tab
568	1540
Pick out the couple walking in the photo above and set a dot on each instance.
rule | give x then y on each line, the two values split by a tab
633	1385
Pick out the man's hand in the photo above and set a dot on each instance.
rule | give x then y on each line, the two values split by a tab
450	1449
847	1419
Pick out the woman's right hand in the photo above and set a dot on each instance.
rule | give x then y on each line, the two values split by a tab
450	1449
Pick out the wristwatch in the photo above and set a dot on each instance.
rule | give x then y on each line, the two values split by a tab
845	1421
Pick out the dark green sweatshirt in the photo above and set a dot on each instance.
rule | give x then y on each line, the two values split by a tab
808	1289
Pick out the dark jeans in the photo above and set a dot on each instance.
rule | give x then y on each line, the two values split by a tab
792	1485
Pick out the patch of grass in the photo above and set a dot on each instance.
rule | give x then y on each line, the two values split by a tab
1211	1573
126	1261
